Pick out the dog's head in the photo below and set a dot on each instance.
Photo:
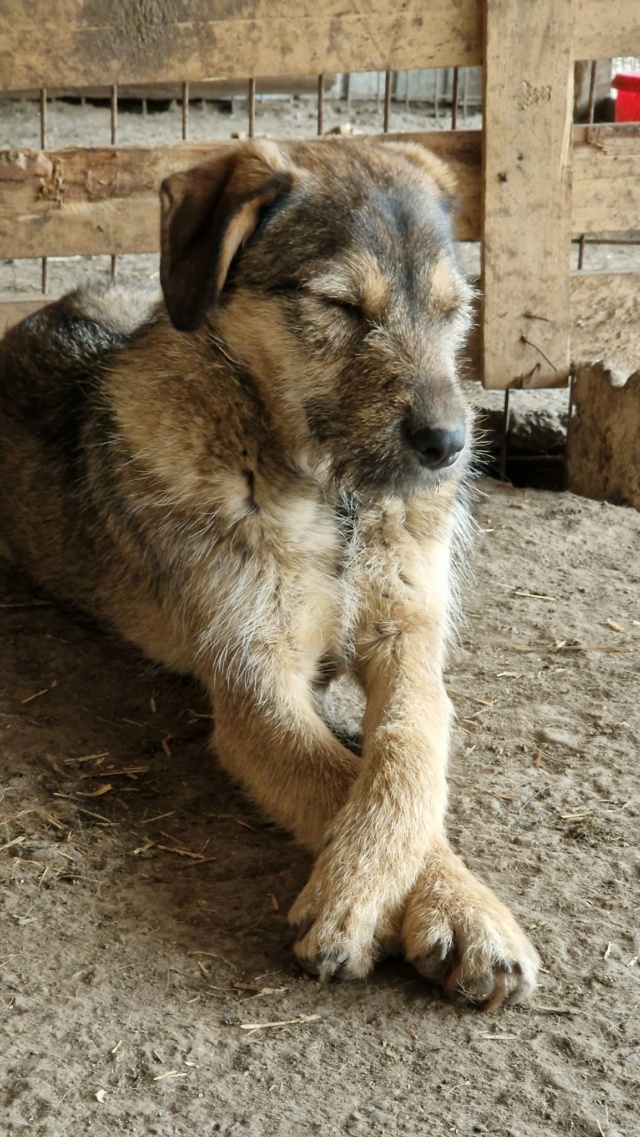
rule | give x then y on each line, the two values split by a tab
328	270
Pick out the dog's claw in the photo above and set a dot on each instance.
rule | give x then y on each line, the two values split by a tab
461	937
478	980
326	963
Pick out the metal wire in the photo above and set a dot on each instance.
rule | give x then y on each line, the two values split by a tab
43	146
114	139
185	111
320	105
43	118
589	240
590	115
592	93
387	102
114	114
252	107
454	99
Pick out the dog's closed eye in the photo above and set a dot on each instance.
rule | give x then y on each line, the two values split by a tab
348	307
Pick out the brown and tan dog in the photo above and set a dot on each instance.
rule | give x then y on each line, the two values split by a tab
261	483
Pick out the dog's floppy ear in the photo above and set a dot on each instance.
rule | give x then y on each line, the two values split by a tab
206	215
440	174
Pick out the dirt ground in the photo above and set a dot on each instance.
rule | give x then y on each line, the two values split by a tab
147	982
146	977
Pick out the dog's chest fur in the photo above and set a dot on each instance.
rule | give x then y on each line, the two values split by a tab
265	549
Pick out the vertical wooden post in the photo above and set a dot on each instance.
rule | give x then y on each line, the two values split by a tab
528	103
603	442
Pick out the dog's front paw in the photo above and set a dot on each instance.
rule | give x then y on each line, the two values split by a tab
335	929
460	936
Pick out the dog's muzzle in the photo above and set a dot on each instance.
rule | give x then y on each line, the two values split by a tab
436	448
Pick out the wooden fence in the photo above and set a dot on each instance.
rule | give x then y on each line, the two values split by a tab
528	181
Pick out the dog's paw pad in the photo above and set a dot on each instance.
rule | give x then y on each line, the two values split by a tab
461	937
334	957
483	975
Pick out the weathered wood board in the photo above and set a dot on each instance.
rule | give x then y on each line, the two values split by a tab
606	178
603	441
527	192
104	200
64	42
605	315
606	29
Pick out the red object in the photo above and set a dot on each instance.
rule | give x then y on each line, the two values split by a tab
628	101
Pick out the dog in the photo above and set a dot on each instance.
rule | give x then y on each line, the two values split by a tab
260	480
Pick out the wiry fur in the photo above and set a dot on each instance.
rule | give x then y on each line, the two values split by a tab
233	481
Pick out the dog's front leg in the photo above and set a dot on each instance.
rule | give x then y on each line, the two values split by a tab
395	812
388	878
275	744
379	841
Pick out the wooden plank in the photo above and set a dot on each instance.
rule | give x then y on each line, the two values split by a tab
604	316
606	178
606	29
105	200
527	192
12	311
59	43
89	192
603	440
86	201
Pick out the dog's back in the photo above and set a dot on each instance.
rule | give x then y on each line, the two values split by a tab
52	367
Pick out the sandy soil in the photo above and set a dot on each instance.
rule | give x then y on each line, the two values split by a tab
143	914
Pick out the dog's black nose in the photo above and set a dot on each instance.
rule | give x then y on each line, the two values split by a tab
437	448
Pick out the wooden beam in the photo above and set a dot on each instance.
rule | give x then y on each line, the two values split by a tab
527	192
84	201
64	43
606	178
603	440
607	30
